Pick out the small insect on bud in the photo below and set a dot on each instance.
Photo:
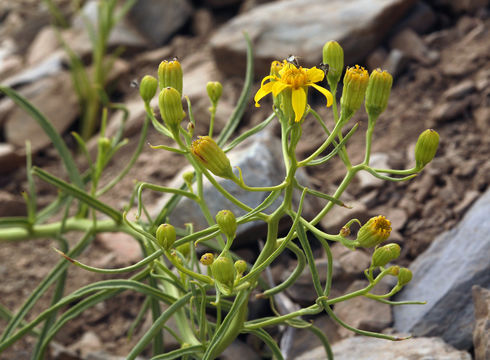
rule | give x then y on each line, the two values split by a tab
207	259
170	75
355	83
223	270
333	56
148	88
166	236
385	254
378	92
214	89
373	232
212	157
404	276
240	266
227	223
171	109
426	148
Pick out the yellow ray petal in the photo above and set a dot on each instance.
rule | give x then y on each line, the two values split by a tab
266	78
298	100
315	75
263	91
278	86
325	92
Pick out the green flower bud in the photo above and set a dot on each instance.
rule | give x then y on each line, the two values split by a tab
374	232
170	75
333	56
223	270
227	223
170	104
188	176
240	266
148	88
207	259
385	254
166	236
184	249
210	155
355	83
394	270
426	148
104	145
214	89
378	92
404	276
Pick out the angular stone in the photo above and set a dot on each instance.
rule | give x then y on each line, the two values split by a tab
368	348
443	276
157	20
58	102
413	46
123	248
302	27
457	91
481	333
396	63
45	43
377	161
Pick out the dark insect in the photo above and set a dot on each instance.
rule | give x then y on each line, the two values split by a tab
134	84
293	60
324	67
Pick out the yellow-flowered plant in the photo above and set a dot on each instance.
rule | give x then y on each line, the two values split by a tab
207	296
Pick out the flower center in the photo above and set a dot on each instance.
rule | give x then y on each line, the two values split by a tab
294	77
382	225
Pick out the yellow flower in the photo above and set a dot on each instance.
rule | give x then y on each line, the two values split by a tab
374	232
297	80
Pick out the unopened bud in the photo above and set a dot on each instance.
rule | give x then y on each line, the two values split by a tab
426	148
240	266
223	270
212	157
166	236
148	88
404	276
170	75
333	56
378	92
170	105
214	89
104	145
373	232
184	249
227	223
345	231
207	259
394	270
355	83
385	254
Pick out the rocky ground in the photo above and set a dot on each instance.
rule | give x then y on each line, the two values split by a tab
438	52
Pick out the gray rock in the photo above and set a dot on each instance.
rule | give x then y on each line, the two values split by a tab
157	20
367	348
414	47
481	333
302	27
396	63
482	119
377	161
457	91
364	313
443	276
10	159
421	18
57	100
239	350
44	44
260	160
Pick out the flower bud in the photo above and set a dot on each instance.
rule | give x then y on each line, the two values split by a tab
373	232
223	270
240	266
385	254
170	75
426	148
378	92
165	236
104	145
355	83
276	66
394	270
207	259
210	155
170	105
148	88
214	89
227	223
404	276
333	56
188	176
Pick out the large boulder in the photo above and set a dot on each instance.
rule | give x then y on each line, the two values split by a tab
302	27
